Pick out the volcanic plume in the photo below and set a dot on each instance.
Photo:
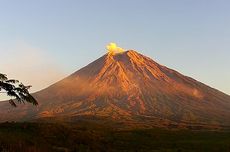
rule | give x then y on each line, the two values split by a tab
129	87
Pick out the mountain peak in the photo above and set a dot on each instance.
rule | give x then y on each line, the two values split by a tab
129	55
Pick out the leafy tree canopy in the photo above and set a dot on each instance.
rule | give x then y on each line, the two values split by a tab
17	90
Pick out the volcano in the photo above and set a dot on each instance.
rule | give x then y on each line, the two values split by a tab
126	86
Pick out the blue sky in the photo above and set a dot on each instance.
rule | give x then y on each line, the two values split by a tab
46	40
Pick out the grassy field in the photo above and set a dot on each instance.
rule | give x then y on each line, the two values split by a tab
86	137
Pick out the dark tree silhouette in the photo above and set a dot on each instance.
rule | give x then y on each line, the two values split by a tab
17	90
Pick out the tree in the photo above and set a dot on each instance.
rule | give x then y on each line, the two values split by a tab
17	90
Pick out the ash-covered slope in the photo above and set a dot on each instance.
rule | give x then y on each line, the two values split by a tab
128	86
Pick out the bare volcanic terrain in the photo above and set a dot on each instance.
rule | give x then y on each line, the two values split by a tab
127	87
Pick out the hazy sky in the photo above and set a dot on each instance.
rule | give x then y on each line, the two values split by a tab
42	41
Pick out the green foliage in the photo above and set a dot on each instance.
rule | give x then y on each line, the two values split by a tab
17	90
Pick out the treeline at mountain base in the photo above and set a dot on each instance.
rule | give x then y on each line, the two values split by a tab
86	137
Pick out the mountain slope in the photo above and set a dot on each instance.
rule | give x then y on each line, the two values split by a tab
128	86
